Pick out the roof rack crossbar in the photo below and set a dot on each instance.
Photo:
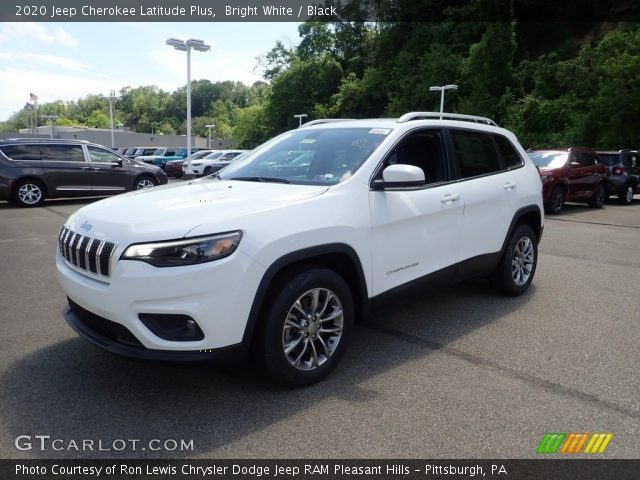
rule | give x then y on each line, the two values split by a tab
324	120
445	116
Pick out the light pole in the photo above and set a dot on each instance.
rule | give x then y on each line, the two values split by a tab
111	98
300	117
183	46
51	119
442	90
209	140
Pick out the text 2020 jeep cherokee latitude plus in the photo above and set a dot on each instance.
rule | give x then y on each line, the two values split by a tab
282	250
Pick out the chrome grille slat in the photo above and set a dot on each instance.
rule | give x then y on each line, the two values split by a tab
86	253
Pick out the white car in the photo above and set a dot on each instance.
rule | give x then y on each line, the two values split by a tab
206	165
284	256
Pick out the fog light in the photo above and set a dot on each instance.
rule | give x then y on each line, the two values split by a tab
173	327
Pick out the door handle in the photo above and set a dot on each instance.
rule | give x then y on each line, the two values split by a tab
449	198
510	185
86	168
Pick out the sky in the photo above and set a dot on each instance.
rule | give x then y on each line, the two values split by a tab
67	61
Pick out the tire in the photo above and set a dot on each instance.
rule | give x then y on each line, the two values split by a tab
626	196
207	171
29	193
517	267
292	347
598	197
145	181
556	202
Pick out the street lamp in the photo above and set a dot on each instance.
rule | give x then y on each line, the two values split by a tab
300	117
442	90
183	46
51	119
112	98
209	141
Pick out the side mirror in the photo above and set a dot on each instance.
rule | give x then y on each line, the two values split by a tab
119	162
399	176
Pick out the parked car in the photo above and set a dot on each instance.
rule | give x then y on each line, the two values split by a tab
205	166
225	160
573	174
34	169
284	261
150	158
173	168
139	152
623	173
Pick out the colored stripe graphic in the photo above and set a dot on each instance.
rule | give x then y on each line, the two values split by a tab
598	442
551	442
574	443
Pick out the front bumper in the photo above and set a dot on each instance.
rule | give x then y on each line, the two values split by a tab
120	341
216	295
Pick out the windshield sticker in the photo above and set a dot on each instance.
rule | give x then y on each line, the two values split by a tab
379	131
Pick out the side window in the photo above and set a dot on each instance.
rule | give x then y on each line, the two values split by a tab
62	153
98	155
585	159
509	153
423	149
169	153
22	152
475	153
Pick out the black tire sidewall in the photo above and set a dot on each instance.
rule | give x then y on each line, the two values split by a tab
506	279
623	197
291	289
557	200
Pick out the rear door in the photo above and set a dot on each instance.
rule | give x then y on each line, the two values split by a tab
488	191
66	169
109	172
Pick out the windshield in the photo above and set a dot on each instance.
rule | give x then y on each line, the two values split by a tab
549	159
159	151
311	157
213	156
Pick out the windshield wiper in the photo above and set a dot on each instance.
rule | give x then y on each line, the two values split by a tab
261	179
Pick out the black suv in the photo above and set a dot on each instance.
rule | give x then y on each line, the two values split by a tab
32	170
623	173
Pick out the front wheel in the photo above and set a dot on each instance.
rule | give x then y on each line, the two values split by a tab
307	327
145	182
28	193
599	196
626	197
518	264
556	201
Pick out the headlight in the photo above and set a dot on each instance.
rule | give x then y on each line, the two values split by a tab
188	251
195	164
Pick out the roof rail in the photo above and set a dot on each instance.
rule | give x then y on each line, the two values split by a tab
445	116
325	120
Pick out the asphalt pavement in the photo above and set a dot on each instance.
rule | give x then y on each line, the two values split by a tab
457	372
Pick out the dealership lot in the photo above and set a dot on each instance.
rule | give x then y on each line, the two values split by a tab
459	372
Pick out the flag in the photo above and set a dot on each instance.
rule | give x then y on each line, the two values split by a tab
33	97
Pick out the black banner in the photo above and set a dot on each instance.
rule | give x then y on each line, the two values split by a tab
318	10
583	469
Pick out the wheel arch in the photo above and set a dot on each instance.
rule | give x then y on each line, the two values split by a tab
529	215
339	257
34	178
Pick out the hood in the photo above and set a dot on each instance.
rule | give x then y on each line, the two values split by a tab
172	211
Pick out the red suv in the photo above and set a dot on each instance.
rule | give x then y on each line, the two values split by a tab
574	174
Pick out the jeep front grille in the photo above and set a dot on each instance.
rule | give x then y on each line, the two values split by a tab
86	253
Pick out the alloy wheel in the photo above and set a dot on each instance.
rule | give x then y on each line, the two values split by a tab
144	183
312	329
522	261
30	193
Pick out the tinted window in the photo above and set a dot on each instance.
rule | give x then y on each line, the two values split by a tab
475	153
424	150
609	159
509	153
102	156
147	151
62	153
586	159
22	152
631	160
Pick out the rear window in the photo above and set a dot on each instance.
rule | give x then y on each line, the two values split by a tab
510	155
549	159
22	152
609	159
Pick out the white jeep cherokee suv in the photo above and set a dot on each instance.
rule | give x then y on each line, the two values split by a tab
284	256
